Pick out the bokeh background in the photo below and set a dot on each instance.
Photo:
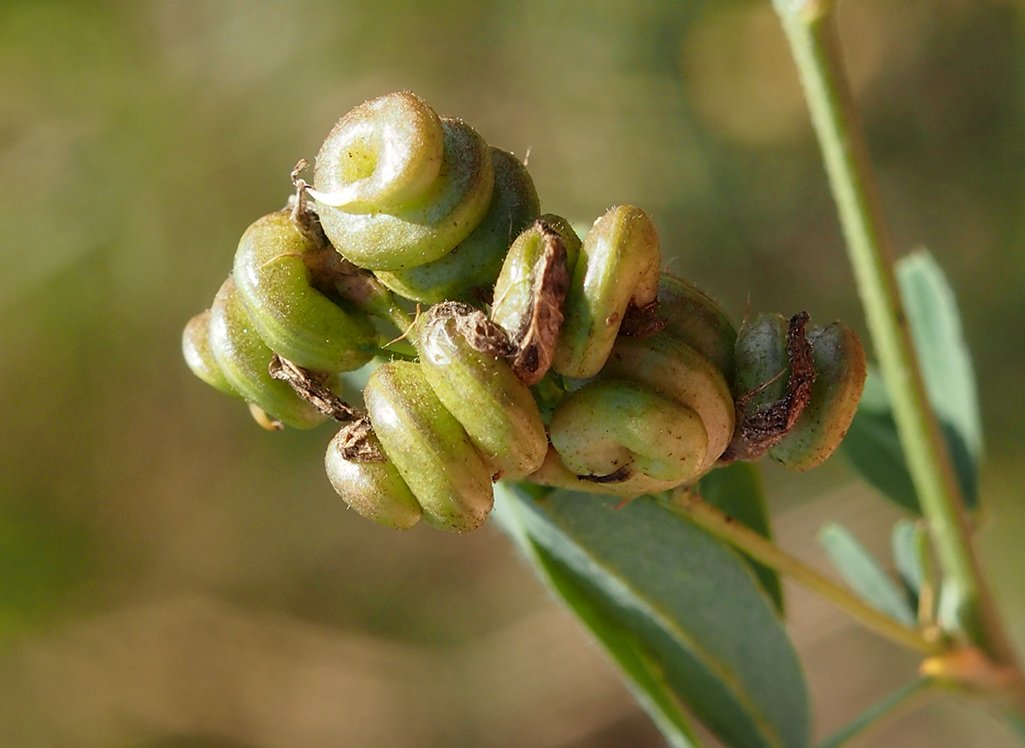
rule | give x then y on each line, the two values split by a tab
170	575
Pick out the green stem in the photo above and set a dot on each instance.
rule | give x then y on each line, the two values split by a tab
810	28
900	700
761	549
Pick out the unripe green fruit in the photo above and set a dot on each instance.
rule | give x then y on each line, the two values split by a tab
693	317
429	448
840	367
482	392
531	290
274	277
244	358
199	356
385	199
624	436
684	376
470	269
373	489
762	363
618	267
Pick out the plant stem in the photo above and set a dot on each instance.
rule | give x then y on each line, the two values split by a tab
761	549
810	29
900	700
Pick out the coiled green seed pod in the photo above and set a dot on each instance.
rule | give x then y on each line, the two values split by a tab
840	378
274	273
199	356
244	360
796	390
530	293
481	390
447	427
659	415
429	448
374	489
618	268
692	316
397	186
470	269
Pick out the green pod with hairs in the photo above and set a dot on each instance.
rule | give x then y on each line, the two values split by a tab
429	448
482	392
243	358
840	368
397	186
761	360
469	270
275	272
374	489
618	268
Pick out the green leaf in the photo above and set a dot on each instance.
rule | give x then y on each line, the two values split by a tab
912	556
737	491
874	449
861	571
679	611
643	675
872	443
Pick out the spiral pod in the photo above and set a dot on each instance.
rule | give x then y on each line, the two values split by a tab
448	426
244	360
659	413
643	382
796	389
292	297
420	199
275	271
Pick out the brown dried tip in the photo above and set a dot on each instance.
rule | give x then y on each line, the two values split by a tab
482	334
312	387
356	442
760	428
539	328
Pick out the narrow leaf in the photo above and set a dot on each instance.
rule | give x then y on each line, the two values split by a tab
737	491
642	676
935	325
863	573
912	555
873	716
939	341
687	611
873	447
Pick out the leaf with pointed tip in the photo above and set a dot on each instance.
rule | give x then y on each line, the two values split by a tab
689	615
912	556
871	442
737	491
864	574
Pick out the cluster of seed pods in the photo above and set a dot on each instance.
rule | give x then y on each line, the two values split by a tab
544	357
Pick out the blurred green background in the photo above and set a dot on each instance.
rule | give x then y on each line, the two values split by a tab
170	575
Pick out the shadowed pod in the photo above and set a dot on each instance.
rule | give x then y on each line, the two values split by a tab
796	389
